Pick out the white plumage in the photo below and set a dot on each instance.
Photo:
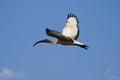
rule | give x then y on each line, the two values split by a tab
69	35
71	27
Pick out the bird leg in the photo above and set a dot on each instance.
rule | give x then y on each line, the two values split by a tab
82	45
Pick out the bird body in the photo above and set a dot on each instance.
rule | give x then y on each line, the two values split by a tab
69	35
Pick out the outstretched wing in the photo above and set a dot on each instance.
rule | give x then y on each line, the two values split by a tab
57	35
71	28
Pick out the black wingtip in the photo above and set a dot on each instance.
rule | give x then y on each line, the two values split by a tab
48	30
72	15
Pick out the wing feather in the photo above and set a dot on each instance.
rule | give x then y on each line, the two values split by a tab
71	28
57	35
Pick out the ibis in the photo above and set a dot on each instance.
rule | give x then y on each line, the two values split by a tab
68	36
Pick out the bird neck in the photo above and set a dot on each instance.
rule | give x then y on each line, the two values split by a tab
55	42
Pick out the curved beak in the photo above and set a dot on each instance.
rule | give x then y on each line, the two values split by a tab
42	41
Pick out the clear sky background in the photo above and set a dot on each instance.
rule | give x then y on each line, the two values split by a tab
23	22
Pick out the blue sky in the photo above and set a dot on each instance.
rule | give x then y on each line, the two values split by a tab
23	22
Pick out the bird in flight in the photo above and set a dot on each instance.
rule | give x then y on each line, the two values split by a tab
69	34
